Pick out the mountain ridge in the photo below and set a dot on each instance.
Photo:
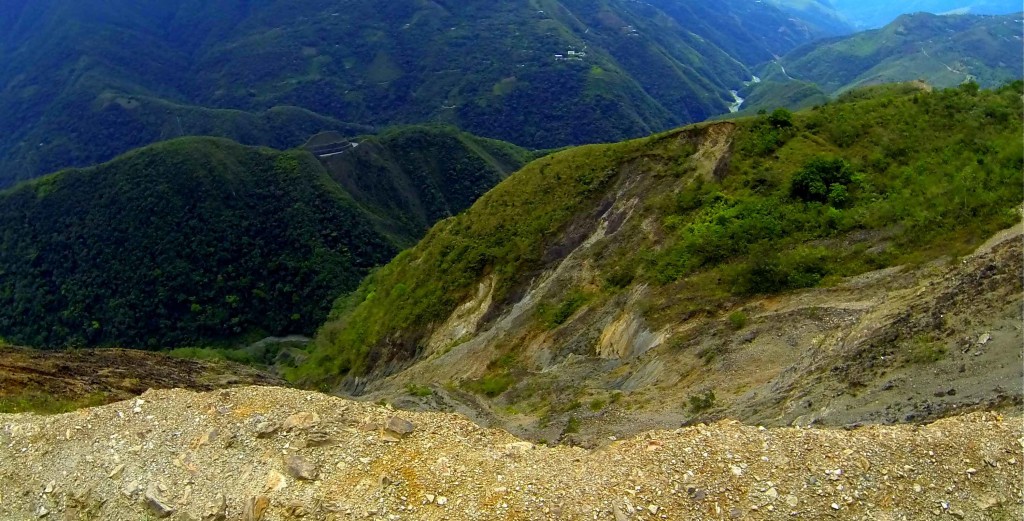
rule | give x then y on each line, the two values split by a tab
941	51
500	71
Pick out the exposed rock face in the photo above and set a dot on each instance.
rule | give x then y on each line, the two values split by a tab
627	337
449	468
904	344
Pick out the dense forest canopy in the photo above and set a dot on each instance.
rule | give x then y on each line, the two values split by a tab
201	241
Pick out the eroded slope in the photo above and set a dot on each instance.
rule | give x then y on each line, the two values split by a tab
656	282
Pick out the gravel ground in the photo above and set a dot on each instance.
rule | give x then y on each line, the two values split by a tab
271	453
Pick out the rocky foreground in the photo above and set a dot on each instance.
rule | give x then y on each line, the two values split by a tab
269	453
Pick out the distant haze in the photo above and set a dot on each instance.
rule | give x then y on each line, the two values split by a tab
876	13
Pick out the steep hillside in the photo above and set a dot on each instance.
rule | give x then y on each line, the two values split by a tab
595	277
266	454
202	240
942	51
543	73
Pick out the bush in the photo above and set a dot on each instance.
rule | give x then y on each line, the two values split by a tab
822	179
780	118
572	426
738	320
701	403
621	277
924	350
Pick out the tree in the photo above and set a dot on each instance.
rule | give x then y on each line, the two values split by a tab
823	179
780	118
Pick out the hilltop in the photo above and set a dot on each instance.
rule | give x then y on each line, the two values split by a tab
267	454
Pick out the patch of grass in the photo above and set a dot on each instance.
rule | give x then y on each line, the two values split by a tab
490	385
418	390
213	353
738	320
597	404
572	426
553	316
924	350
43	403
709	354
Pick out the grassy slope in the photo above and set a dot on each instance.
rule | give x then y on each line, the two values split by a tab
934	174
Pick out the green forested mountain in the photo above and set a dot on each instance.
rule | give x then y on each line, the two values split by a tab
715	213
203	240
942	51
84	80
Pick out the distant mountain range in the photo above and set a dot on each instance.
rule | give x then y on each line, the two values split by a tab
942	51
868	14
85	80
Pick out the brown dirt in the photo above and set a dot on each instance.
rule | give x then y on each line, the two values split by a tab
110	375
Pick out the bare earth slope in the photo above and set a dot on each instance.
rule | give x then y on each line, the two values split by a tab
59	381
271	453
904	344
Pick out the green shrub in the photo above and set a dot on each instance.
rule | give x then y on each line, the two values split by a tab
924	350
738	320
418	390
554	316
491	385
621	277
572	426
821	179
780	118
701	403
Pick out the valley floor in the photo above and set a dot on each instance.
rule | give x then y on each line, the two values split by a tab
262	453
